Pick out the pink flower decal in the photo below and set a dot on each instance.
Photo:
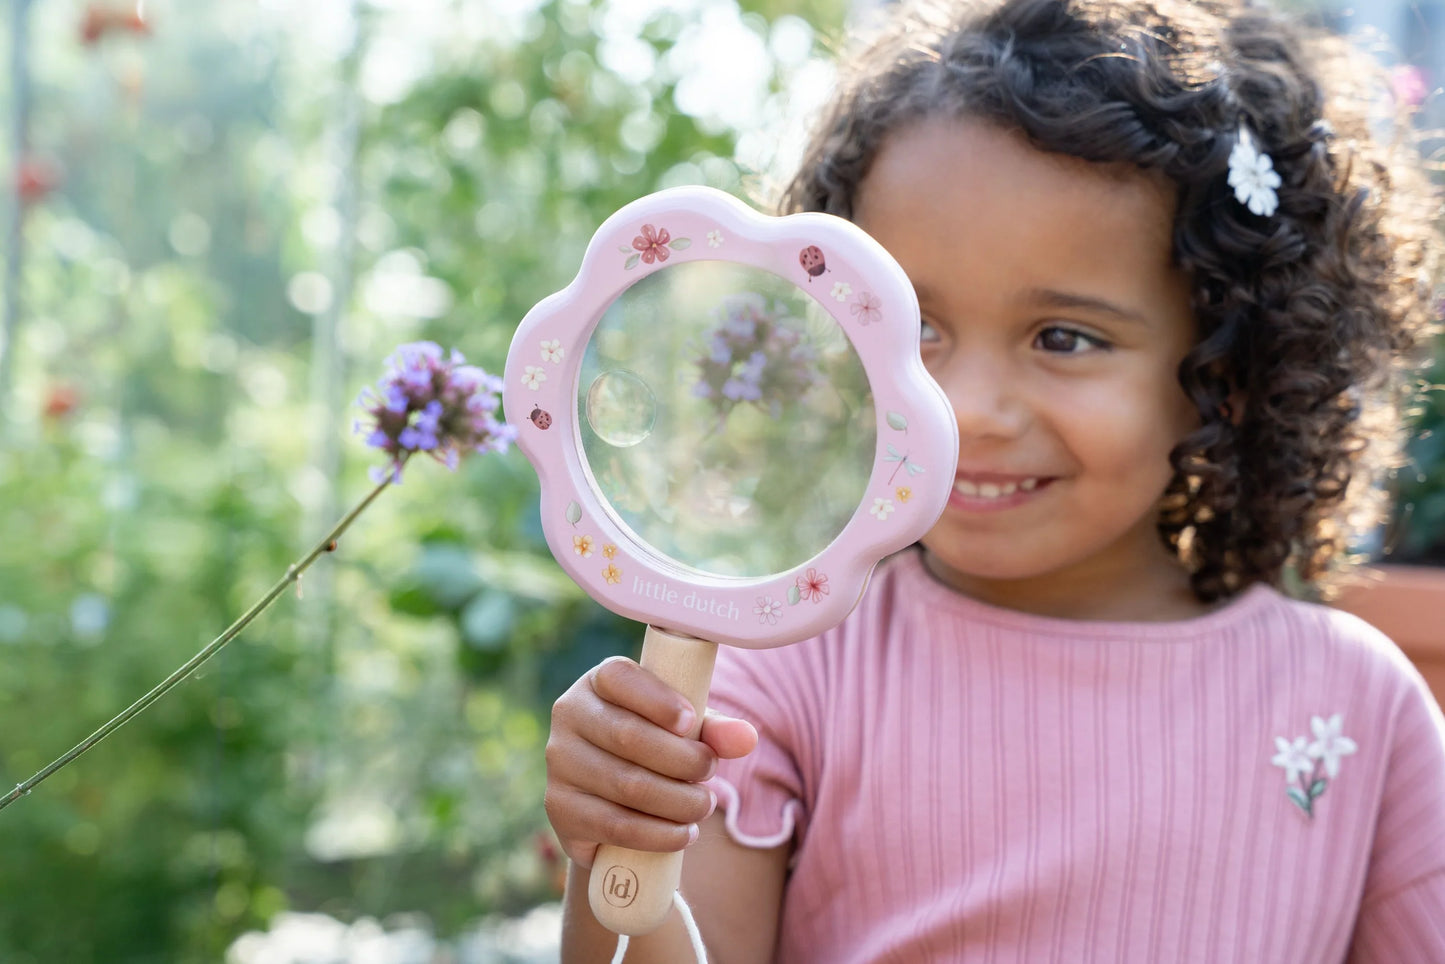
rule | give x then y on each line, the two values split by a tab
813	585
652	243
867	307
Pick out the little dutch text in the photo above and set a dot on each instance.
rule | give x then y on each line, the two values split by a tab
664	593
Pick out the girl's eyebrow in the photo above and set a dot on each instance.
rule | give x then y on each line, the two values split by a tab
1068	299
1054	298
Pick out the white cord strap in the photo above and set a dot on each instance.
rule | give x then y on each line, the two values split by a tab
693	935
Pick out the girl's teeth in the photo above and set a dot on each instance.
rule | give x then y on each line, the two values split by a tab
993	490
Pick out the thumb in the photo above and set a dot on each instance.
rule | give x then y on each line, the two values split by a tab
728	736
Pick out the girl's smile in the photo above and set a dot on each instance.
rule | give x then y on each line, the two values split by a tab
994	491
1055	321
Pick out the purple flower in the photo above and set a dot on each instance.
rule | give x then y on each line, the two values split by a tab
755	354
739	390
432	401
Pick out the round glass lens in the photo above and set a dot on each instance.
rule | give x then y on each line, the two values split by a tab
726	420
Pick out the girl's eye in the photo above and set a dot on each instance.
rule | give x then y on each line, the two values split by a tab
1067	341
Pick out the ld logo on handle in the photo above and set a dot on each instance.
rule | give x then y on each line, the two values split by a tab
619	886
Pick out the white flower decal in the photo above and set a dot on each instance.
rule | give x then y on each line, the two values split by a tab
714	239
842	290
1303	761
881	508
533	377
1252	175
1330	744
552	351
768	610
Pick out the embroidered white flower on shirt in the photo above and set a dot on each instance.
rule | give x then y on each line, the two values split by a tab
1330	744
1252	175
1293	757
1310	766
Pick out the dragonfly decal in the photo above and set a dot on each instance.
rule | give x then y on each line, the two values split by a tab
904	462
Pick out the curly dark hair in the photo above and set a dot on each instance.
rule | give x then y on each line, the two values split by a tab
1311	321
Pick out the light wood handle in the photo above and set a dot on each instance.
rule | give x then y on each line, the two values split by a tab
631	890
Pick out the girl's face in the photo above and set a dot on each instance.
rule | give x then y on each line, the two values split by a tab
1054	320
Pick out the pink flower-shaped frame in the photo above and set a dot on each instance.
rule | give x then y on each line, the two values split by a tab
862	287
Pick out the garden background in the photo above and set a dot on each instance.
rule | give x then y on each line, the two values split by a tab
221	217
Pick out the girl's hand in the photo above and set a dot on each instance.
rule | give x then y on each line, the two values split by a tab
620	772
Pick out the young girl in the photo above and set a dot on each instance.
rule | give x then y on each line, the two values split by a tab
1171	286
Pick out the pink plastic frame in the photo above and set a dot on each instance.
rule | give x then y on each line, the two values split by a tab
863	288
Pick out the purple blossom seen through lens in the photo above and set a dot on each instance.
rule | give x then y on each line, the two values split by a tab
432	401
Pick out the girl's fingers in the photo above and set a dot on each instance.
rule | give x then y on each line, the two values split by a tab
623	683
638	788
581	819
728	736
637	740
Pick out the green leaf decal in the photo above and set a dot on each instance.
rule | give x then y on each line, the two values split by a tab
631	262
574	513
793	595
1317	788
897	422
624	250
679	244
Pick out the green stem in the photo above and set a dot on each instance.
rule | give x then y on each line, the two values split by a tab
293	573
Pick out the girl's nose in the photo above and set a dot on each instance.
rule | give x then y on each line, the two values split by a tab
988	398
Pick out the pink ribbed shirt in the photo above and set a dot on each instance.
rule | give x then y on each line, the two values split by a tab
964	783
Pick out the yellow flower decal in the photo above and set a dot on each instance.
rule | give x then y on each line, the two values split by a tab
612	574
609	551
582	545
904	493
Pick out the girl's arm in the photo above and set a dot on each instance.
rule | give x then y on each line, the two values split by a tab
1402	912
620	772
734	892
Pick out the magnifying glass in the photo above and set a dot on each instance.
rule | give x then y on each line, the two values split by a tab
731	425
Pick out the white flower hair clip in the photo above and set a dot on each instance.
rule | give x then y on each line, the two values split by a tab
1252	175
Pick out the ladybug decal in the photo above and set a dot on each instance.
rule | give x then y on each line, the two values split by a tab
541	419
811	258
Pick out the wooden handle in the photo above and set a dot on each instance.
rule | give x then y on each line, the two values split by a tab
631	890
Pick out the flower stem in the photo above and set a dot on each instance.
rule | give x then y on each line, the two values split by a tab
293	574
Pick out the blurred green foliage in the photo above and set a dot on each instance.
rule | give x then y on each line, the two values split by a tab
257	202
1418	533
